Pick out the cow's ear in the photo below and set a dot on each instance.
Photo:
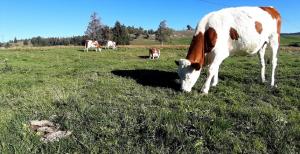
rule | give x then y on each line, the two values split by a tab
177	62
196	66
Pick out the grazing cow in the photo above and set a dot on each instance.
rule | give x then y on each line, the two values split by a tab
154	53
111	44
92	44
220	33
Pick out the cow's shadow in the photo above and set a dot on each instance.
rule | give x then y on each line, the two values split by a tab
90	50
153	78
144	57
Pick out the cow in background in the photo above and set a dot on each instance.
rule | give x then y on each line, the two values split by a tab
154	53
110	44
92	44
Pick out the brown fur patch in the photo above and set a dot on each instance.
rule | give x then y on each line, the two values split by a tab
275	15
273	12
153	50
201	44
233	34
210	39
258	27
196	50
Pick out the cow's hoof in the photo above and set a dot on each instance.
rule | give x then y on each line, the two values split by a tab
204	91
203	94
214	84
274	86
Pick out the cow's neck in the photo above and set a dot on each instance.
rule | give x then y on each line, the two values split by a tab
196	50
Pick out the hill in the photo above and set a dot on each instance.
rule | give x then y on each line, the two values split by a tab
291	34
185	37
178	38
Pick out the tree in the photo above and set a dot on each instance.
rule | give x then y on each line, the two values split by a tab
25	42
7	45
120	34
163	32
106	33
15	40
189	27
94	29
39	41
151	31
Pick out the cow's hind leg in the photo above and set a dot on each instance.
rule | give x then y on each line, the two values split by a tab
262	62
275	47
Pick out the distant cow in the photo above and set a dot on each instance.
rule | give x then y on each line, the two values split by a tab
110	44
223	32
154	53
92	44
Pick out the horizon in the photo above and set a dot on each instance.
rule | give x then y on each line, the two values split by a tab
27	19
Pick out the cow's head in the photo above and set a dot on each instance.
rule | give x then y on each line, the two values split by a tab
188	73
189	69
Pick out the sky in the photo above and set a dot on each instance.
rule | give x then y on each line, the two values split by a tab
63	18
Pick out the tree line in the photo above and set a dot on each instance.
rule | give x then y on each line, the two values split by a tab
96	30
121	34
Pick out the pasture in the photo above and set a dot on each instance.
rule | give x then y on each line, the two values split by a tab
122	102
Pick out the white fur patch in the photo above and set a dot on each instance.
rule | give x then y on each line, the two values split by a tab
242	19
187	74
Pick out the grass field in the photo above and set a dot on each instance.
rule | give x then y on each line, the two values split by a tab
121	102
289	40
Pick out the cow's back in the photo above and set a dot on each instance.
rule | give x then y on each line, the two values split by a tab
240	28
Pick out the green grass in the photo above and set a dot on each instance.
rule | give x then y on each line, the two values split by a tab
144	42
182	41
289	40
121	102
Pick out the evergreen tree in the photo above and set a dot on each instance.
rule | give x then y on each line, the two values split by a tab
25	42
106	33
15	40
120	34
94	29
163	32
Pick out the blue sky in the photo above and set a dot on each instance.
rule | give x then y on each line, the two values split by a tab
62	18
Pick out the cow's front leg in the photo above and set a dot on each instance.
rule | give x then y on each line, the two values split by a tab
213	69
215	79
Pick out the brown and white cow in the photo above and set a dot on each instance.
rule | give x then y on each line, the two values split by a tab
154	53
220	33
92	44
110	44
